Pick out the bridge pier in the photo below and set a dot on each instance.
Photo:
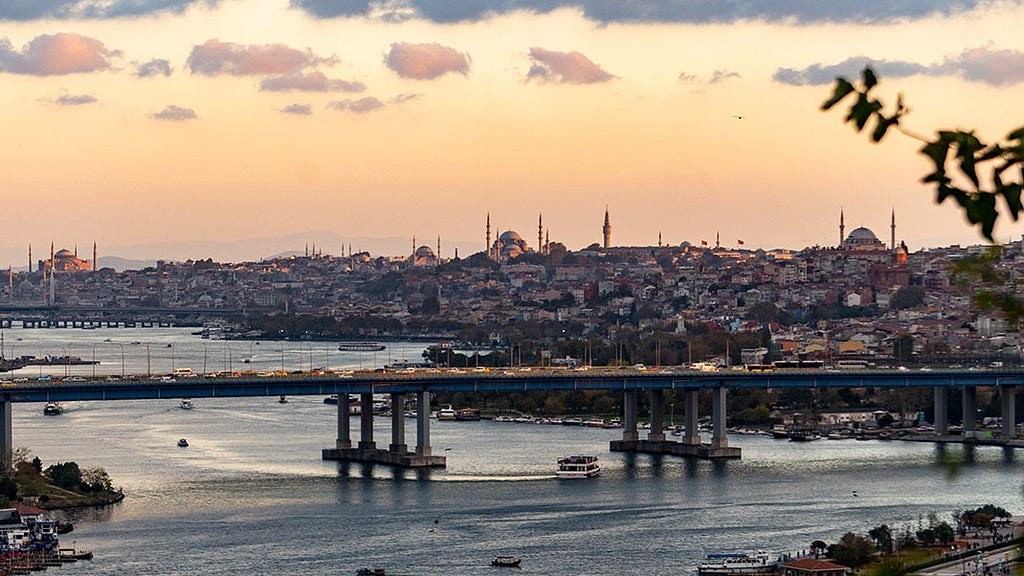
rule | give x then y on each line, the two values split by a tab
941	423
970	411
397	453
656	443
1009	412
6	438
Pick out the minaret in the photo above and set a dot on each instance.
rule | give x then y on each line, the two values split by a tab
438	259
413	249
607	229
29	258
892	228
547	242
51	258
659	239
488	235
95	262
842	228
718	243
540	233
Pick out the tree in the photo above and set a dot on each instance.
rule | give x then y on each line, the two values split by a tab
853	550
903	347
882	536
907	297
65	475
963	151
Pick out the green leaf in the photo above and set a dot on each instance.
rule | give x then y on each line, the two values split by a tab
842	90
1011	194
870	81
882	127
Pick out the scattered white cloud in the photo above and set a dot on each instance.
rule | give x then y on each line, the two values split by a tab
361	106
565	67
215	57
426	61
74	99
92	9
62	53
298	109
174	113
722	75
157	67
309	82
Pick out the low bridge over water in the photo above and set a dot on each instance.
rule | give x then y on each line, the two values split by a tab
630	382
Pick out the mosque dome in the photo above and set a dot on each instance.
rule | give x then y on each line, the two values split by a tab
862	237
510	236
64	253
424	252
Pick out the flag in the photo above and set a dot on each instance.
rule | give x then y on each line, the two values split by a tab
741	242
703	242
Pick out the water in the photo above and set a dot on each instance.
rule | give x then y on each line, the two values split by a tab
250	494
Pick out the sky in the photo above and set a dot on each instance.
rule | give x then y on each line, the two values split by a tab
160	123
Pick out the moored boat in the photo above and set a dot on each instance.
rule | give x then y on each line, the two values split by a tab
506	561
578	466
467	414
446	414
756	563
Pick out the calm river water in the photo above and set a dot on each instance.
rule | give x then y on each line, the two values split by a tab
251	495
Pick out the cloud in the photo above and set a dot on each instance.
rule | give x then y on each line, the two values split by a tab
722	75
309	82
88	9
153	68
215	57
361	106
74	100
565	67
425	61
675	11
175	114
63	53
370	104
984	64
687	77
987	65
298	109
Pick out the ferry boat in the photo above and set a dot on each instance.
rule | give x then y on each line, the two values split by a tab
355	407
186	404
467	414
756	563
446	414
361	347
578	466
53	409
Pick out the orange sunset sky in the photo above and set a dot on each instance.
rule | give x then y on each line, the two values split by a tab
130	122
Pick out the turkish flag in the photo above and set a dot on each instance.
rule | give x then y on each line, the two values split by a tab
703	242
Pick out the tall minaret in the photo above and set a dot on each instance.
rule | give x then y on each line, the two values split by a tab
607	229
438	260
718	240
540	233
95	265
892	228
842	228
659	239
414	249
29	258
547	242
488	234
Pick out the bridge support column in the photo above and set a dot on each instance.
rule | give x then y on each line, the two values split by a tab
941	423
719	438
398	424
657	433
423	424
365	422
1009	394
970	411
629	408
692	436
6	439
344	412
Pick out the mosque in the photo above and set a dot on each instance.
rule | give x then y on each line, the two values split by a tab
862	242
64	260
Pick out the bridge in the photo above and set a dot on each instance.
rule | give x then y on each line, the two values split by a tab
631	382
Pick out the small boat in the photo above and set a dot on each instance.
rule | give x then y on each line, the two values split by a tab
282	399
186	404
370	572
53	409
467	414
506	561
182	443
578	466
737	564
446	414
73	554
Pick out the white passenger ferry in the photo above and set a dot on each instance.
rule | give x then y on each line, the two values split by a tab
578	466
737	564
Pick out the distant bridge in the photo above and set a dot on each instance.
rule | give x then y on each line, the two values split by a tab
63	316
629	381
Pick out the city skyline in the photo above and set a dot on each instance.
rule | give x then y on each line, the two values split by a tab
151	123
